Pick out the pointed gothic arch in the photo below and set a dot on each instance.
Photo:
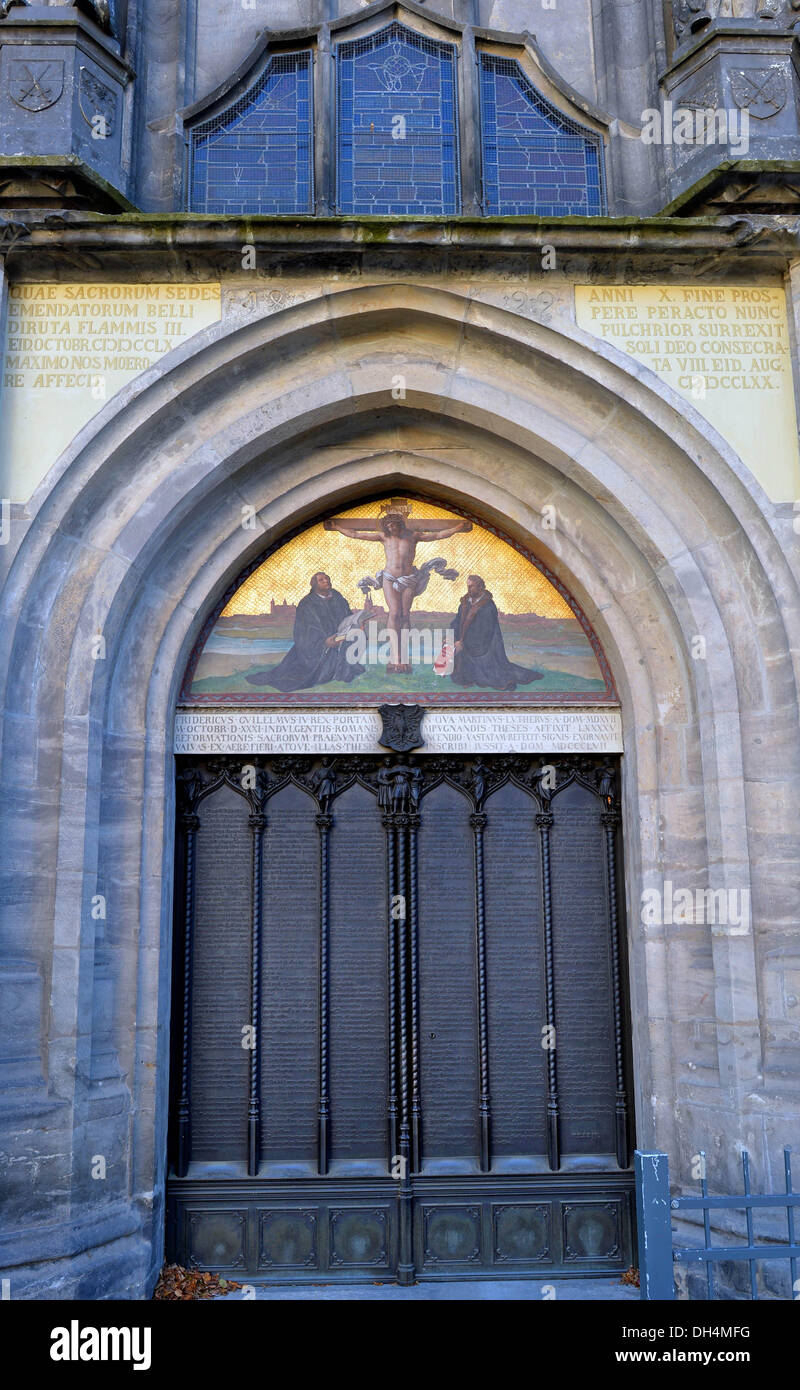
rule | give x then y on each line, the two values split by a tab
140	532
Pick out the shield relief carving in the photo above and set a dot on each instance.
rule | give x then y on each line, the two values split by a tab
36	83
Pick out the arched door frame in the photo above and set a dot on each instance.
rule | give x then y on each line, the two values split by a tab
138	529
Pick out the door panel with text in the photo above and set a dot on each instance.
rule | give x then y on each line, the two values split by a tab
400	1038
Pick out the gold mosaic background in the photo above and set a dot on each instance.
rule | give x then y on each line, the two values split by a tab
516	585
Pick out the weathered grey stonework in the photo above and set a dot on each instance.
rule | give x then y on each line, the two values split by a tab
614	77
286	406
745	84
64	109
142	532
625	65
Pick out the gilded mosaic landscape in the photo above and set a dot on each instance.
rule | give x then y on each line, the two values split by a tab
399	597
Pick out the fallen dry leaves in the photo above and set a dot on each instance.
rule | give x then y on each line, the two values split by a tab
631	1276
175	1282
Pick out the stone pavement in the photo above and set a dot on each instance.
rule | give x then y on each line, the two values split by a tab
493	1290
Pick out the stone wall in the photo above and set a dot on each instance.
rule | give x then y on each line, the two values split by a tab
285	406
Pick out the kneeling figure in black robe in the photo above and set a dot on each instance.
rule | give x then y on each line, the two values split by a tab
480	653
315	659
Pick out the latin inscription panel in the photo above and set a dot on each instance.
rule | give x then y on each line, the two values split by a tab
560	730
725	349
70	348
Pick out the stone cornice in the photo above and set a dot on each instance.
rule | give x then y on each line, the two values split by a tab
54	24
160	244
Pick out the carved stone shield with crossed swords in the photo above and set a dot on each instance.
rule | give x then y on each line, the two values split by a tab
761	91
35	84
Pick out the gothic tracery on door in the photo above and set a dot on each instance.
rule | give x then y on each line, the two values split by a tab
399	1019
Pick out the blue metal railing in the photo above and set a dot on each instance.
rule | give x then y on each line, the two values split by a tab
654	1208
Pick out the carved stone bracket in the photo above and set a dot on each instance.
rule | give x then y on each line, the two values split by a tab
11	233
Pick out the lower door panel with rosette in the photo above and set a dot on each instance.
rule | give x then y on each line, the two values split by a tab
399	1022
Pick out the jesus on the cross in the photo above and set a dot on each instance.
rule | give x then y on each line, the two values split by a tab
401	580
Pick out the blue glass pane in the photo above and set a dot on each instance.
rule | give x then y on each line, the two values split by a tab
397	125
257	155
536	161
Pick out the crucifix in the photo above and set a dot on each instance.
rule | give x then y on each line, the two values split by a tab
401	580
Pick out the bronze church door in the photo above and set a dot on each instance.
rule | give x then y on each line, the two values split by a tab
399	1023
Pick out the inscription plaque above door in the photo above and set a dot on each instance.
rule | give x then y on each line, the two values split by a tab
453	730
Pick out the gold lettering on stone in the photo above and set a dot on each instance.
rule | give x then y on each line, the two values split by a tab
725	349
70	348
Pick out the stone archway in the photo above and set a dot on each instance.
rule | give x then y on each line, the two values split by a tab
140	531
407	935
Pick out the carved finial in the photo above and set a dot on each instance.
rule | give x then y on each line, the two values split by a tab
545	781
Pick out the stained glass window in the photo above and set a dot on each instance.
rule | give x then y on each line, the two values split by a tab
535	159
256	155
398	125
